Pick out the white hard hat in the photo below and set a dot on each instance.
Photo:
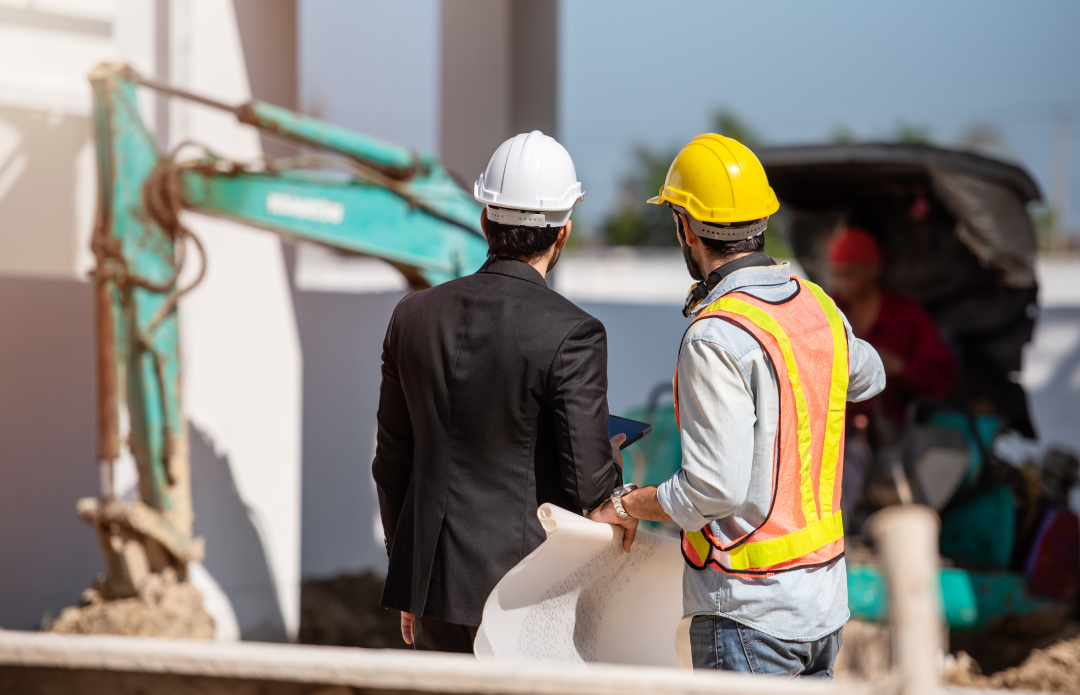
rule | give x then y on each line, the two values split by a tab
530	181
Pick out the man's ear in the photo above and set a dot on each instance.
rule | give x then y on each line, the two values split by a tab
483	221
688	234
564	234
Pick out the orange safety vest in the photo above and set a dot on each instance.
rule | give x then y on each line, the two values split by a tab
806	342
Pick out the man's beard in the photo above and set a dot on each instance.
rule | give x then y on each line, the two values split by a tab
691	265
554	259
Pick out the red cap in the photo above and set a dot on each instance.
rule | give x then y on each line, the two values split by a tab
854	245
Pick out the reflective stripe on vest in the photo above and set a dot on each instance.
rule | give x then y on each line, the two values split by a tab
805	530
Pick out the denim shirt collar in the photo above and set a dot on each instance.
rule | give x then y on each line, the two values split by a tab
772	276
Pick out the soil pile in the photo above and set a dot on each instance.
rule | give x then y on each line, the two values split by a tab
344	611
165	607
864	654
1055	669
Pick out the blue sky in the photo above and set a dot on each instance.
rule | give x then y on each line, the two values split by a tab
637	72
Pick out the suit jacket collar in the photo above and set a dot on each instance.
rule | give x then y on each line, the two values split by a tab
511	267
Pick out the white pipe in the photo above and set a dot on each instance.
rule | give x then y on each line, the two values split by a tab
907	541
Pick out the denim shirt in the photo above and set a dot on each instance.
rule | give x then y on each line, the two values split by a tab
729	413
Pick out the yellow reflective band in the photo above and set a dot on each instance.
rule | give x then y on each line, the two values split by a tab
768	324
762	554
700	544
834	422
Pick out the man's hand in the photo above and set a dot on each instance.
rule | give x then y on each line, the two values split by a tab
616	453
606	514
893	364
407	622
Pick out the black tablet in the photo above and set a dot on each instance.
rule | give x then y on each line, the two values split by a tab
633	429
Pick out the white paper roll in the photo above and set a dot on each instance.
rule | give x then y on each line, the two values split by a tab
580	598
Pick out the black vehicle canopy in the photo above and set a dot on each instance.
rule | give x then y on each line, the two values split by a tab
956	235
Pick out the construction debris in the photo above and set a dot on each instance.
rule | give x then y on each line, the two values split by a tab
164	607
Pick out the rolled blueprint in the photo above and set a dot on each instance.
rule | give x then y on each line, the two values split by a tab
579	598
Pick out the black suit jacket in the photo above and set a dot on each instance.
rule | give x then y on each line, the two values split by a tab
493	401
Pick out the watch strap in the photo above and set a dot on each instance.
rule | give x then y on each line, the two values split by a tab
616	499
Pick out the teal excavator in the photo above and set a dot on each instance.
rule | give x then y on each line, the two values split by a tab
344	190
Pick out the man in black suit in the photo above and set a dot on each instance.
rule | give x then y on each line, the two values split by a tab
493	402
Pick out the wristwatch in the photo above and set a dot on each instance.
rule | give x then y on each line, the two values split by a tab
616	499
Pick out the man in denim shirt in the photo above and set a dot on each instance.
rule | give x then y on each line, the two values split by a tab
788	618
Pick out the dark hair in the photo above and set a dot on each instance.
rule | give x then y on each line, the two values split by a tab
518	241
723	249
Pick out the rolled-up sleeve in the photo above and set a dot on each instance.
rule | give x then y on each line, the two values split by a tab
866	374
717	417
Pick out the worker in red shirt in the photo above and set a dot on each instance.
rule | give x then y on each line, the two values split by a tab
918	365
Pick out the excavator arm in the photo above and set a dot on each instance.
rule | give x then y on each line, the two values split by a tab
345	190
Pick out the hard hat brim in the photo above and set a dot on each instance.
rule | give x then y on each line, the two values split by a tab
715	215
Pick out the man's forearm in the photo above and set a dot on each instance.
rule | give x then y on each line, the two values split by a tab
644	504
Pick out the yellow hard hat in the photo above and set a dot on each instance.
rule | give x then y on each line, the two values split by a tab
719	180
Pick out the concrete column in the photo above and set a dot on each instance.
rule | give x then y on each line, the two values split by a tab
499	77
534	57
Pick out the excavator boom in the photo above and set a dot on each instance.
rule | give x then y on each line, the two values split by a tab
345	190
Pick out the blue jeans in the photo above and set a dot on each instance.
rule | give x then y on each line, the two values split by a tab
722	644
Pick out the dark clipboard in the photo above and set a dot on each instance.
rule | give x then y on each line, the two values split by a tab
633	429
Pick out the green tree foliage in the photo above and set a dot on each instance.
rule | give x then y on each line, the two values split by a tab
728	124
636	223
913	133
842	134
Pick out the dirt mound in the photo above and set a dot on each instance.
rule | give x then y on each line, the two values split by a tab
165	608
345	612
1055	669
864	653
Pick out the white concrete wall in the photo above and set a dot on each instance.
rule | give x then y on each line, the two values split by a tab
47	193
46	155
240	345
1051	373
